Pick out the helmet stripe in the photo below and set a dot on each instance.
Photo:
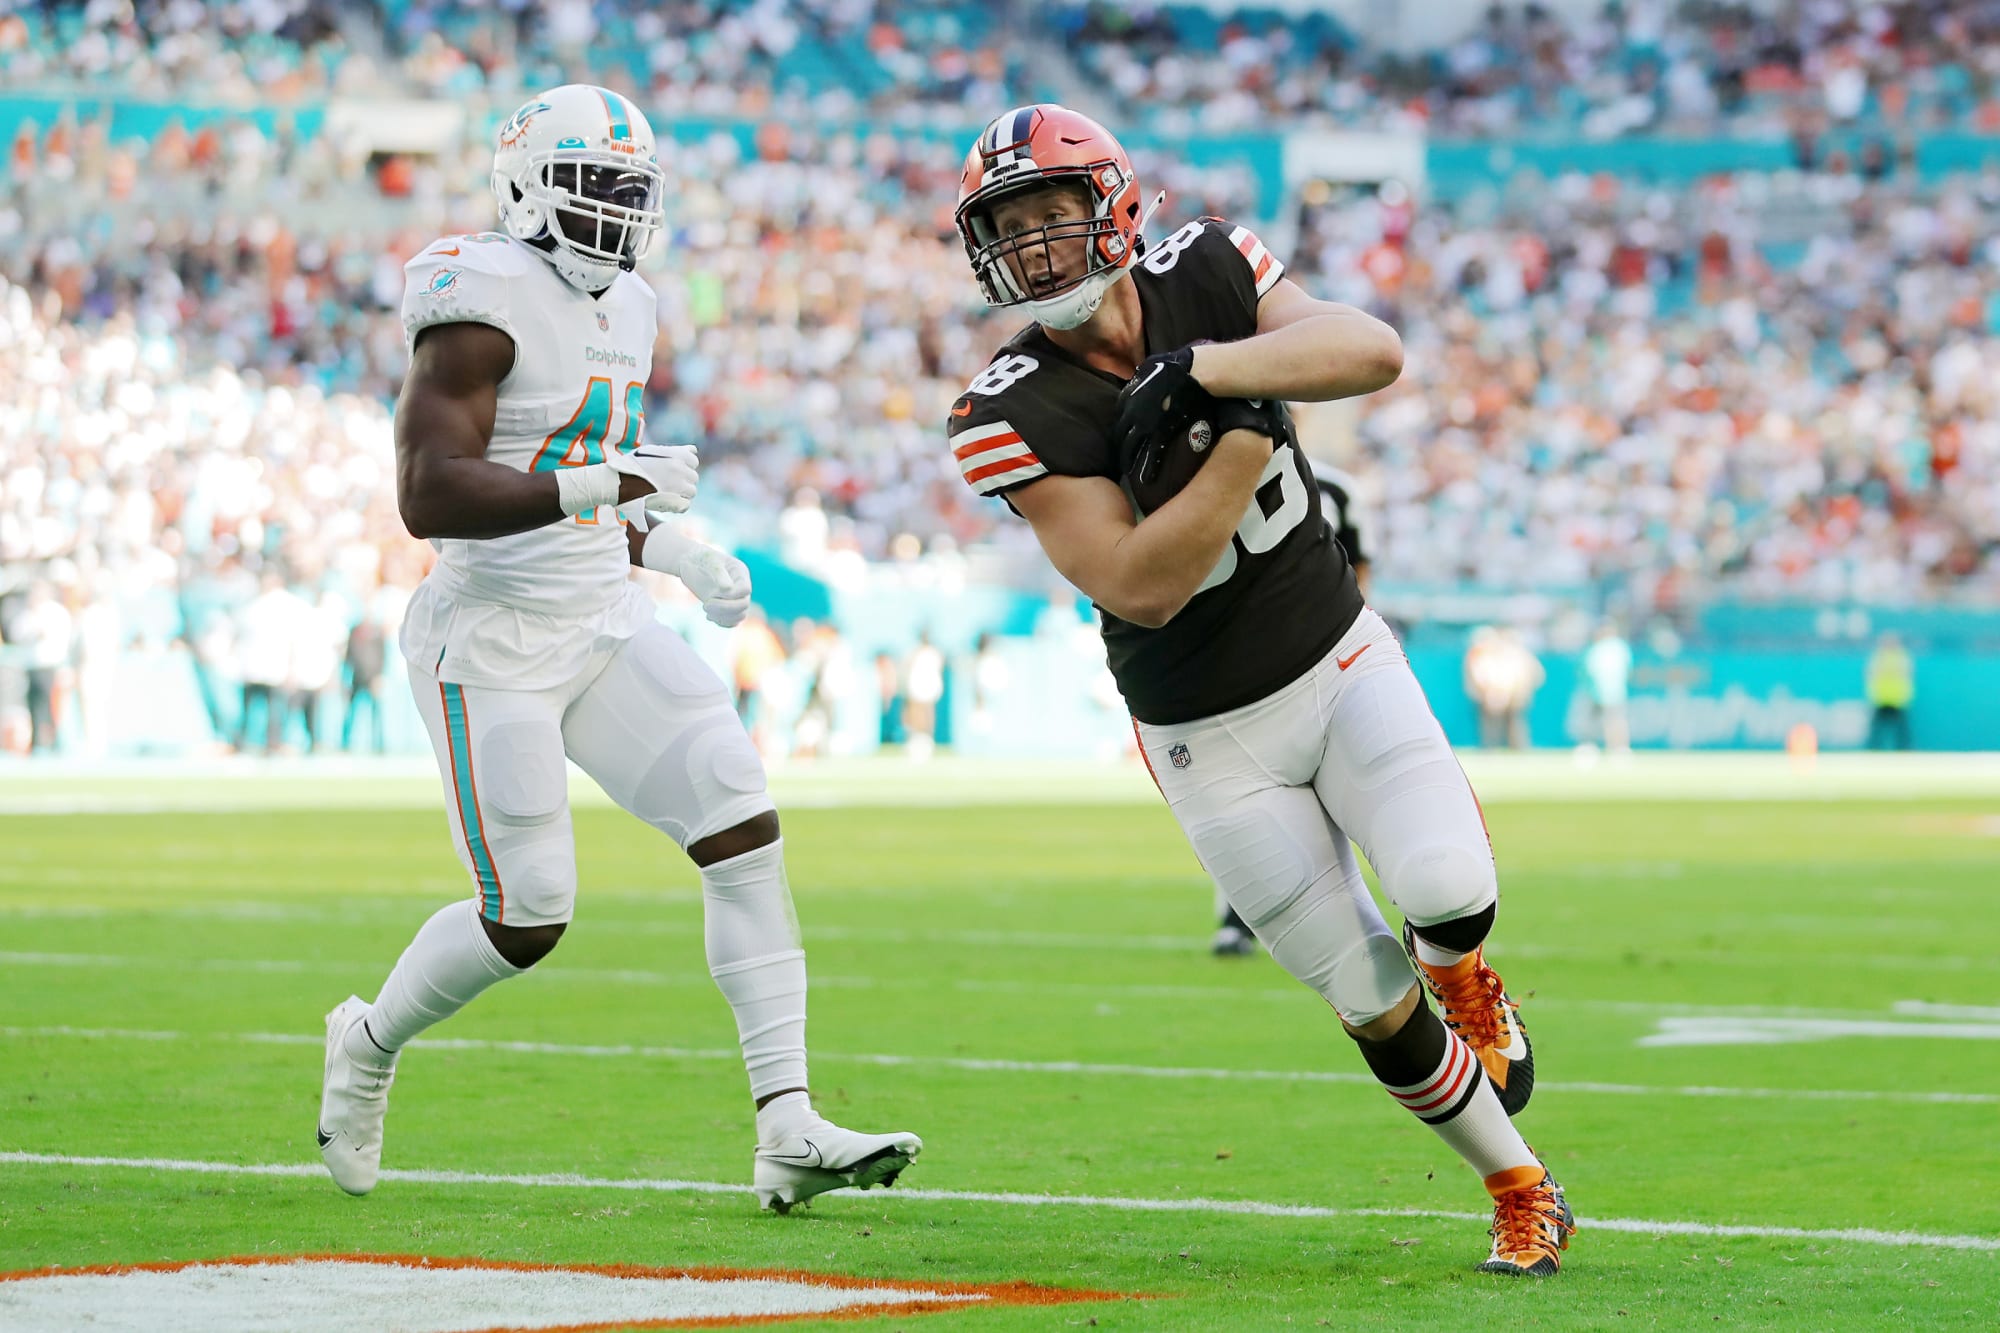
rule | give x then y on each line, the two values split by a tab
1004	147
1023	120
614	109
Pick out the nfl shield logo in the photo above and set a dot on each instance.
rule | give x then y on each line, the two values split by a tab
1179	754
603	322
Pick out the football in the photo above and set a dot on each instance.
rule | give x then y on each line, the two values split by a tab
1162	470
1158	473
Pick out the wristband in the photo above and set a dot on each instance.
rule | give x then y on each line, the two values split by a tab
581	488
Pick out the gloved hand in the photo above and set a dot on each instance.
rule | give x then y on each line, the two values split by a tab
670	469
1160	395
717	578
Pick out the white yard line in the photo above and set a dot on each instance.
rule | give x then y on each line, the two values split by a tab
1001	1066
1239	1207
1780	1031
1920	1009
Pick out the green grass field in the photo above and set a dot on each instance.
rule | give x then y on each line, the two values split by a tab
1026	985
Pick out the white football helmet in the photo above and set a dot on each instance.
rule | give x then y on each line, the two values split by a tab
576	172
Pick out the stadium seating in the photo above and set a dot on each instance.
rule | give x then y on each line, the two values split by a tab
1734	378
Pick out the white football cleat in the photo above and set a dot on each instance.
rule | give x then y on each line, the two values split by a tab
353	1100
822	1156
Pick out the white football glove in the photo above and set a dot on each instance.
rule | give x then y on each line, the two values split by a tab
670	469
717	578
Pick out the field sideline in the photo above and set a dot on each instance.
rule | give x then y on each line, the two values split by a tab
1765	1001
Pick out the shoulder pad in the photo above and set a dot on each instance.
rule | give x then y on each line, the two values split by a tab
480	251
462	280
1265	269
990	452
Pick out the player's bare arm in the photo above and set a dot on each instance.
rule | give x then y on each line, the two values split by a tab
1144	572
1304	350
445	484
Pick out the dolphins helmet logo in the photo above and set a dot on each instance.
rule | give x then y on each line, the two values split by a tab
516	127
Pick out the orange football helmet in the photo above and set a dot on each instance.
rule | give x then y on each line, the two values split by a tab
1034	146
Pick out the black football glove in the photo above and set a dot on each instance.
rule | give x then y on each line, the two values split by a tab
1266	416
1162	393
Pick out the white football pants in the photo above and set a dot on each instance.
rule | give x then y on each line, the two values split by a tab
645	717
1269	795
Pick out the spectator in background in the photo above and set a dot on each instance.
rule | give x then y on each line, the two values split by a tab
100	637
1892	688
802	531
364	677
822	658
989	682
1484	684
45	631
756	650
316	651
1524	674
264	656
1502	676
923	686
889	695
1607	672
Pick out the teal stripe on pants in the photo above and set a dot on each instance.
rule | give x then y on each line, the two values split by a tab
459	737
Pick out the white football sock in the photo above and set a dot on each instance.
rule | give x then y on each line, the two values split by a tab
1431	956
1458	1103
447	964
782	1117
754	954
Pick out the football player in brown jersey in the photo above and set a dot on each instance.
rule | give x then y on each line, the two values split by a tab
1277	712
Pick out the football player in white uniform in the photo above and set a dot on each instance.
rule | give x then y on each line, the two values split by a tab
521	456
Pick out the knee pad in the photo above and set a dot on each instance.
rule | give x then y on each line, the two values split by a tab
709	779
522	780
524	813
1442	882
1362	977
1370	979
1260	865
1461	934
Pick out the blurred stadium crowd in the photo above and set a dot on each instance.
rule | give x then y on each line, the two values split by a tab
1779	383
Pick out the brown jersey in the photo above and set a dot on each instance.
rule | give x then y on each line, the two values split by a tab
1281	595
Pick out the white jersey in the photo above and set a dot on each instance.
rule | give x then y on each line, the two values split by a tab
522	611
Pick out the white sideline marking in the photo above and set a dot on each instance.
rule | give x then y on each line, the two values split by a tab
1785	1031
1240	1207
993	1066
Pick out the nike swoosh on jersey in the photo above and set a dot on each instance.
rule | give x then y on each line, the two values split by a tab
1345	662
452	251
963	409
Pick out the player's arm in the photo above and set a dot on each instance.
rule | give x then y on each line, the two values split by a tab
1305	350
719	581
445	484
1144	571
